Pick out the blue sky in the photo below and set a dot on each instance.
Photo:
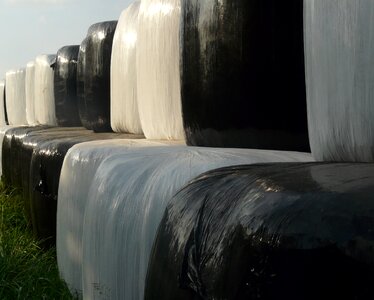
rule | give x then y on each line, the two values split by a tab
32	27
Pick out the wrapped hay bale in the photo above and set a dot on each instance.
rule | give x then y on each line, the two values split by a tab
158	72
125	205
16	97
2	103
124	102
16	153
242	74
271	231
339	55
30	93
3	121
45	113
3	131
24	145
5	110
93	76
12	145
223	74
78	171
45	168
65	87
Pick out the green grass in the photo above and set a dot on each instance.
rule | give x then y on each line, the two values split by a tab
26	271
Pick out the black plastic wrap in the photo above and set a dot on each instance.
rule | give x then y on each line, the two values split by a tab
93	77
242	68
5	109
11	151
2	103
272	231
82	107
65	86
17	150
19	141
45	168
27	147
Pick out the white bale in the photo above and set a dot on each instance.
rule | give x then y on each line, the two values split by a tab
339	52
77	174
123	87
30	93
16	97
126	203
45	113
2	103
158	72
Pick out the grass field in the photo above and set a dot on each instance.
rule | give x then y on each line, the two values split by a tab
26	271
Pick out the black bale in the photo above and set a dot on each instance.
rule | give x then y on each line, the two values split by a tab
17	149
93	77
274	231
12	163
65	87
45	169
242	69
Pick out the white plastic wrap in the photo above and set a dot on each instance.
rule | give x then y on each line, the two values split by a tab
44	94
2	103
16	97
123	87
339	47
125	205
30	93
77	174
158	72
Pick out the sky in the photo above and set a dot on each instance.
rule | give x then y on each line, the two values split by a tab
29	28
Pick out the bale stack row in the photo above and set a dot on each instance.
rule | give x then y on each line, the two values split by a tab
138	214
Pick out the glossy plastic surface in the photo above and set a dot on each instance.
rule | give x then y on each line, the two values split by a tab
5	110
339	58
30	93
93	76
3	130
126	203
2	103
45	168
123	84
45	113
77	174
12	146
17	149
16	97
65	87
242	74
158	72
272	231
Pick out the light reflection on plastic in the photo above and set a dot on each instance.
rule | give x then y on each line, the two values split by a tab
268	186
130	38
63	60
101	35
159	7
